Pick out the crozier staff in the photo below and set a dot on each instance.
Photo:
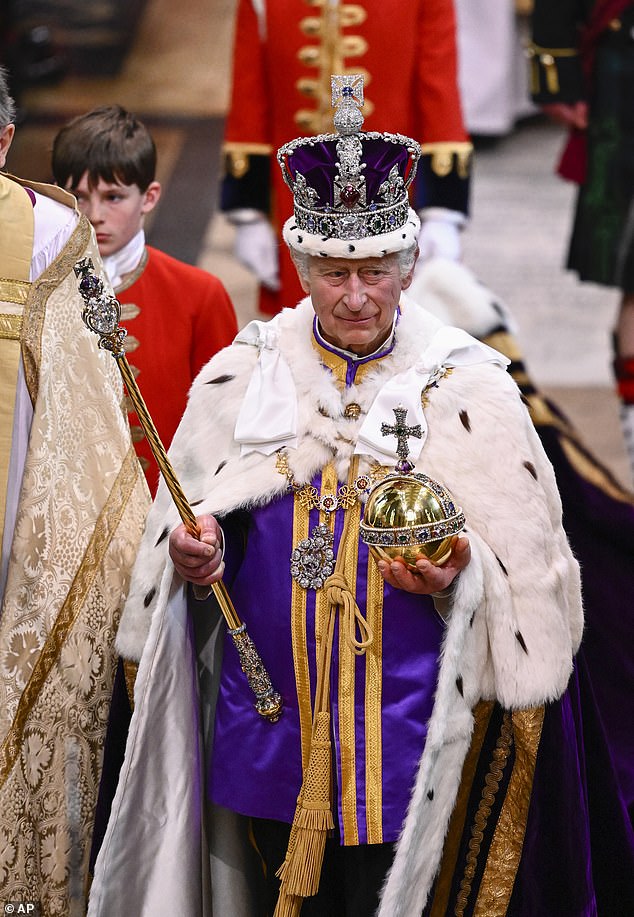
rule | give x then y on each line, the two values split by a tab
370	785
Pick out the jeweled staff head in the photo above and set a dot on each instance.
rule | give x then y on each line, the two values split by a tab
102	310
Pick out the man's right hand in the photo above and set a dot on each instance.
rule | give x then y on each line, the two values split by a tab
198	561
257	248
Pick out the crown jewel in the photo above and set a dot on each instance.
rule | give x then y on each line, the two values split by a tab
350	185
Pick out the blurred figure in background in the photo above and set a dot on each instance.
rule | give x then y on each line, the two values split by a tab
583	77
492	65
284	54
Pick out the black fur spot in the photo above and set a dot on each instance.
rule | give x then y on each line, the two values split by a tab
148	598
471	619
404	235
323	254
430	795
300	239
504	570
521	641
351	248
220	467
460	685
162	536
196	502
531	468
293	227
464	420
220	379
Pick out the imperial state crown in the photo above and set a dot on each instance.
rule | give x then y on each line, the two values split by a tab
350	189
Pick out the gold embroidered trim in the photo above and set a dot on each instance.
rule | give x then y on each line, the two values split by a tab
338	366
10	327
547	58
505	343
237	156
347	665
16	291
482	715
41	290
373	701
105	529
130	670
594	473
506	847
298	637
449	155
329	484
491	787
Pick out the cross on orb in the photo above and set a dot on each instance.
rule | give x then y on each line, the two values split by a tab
402	433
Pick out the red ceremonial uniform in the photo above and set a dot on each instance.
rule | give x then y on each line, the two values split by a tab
177	317
282	63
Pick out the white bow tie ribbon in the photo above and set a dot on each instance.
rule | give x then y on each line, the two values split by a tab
267	420
449	347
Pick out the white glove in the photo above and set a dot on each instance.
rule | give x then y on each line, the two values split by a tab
257	248
440	234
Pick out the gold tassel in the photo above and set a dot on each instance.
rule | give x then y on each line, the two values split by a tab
288	905
300	871
550	70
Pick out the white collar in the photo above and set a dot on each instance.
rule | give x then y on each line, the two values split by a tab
125	260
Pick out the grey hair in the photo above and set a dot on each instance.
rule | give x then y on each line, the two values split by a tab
406	259
7	105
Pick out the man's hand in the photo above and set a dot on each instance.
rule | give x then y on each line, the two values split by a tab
198	562
575	115
428	577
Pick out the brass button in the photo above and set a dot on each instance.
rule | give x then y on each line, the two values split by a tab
352	411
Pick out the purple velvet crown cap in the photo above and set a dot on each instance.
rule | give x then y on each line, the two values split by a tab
315	158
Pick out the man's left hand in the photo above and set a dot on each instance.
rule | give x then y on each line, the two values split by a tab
428	577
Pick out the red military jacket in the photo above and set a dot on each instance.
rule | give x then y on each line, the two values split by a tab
282	63
177	317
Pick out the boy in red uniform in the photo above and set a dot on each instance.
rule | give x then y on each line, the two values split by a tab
177	316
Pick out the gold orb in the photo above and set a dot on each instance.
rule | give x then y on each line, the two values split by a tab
410	514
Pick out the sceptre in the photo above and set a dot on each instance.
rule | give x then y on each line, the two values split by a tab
101	315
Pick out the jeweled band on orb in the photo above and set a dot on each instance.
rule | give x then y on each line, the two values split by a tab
412	535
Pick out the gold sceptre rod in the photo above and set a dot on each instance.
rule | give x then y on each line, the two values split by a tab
101	315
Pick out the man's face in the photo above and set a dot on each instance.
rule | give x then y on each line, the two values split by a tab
116	211
355	299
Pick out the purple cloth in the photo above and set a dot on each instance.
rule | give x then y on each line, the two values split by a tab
256	767
319	165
